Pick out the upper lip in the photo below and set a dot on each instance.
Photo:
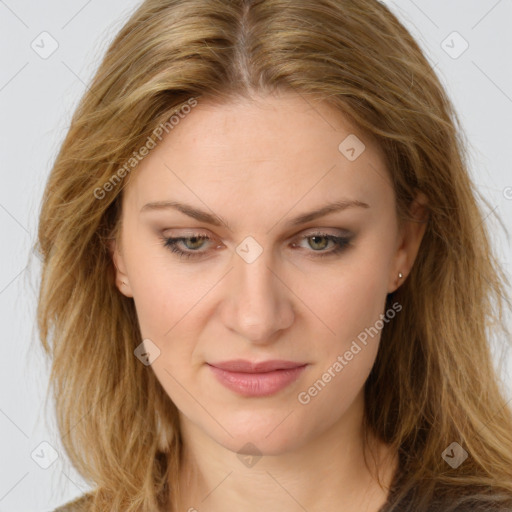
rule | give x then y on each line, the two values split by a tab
243	366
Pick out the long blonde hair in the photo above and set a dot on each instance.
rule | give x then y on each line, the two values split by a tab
433	382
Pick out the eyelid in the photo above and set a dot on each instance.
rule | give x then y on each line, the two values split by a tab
327	231
190	233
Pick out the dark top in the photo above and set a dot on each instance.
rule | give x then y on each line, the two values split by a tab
484	504
82	504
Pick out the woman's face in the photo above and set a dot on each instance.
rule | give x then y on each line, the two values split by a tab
272	280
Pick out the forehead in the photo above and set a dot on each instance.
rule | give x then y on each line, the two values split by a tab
277	148
272	127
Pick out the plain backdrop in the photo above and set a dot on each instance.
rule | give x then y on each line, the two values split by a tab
50	51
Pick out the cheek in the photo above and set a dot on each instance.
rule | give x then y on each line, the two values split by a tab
164	292
349	299
353	309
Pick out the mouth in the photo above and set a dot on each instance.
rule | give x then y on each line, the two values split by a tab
251	379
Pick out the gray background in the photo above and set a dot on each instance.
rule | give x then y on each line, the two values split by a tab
38	93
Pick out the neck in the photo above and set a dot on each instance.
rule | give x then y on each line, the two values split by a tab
321	474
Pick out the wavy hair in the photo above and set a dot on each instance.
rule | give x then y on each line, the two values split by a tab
433	382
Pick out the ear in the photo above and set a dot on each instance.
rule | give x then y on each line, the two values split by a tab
122	282
409	240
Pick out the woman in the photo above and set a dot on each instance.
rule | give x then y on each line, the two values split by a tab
267	282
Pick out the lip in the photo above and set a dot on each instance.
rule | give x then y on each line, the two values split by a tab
256	379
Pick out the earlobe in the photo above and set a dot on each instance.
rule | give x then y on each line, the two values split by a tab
397	279
122	282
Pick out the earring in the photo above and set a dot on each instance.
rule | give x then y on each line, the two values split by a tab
400	275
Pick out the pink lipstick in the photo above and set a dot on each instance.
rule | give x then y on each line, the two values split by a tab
256	379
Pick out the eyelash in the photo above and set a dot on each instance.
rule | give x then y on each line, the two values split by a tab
340	245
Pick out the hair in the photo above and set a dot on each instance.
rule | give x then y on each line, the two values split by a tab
433	382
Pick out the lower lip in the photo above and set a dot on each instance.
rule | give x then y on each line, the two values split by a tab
257	384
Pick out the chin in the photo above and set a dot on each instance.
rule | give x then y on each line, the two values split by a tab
259	445
257	435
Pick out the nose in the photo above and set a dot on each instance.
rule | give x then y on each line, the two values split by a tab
257	303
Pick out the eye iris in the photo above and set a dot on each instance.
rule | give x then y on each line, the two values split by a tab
193	240
315	239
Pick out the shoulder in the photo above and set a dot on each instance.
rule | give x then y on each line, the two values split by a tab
80	504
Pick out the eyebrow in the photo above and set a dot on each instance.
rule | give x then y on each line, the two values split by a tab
215	220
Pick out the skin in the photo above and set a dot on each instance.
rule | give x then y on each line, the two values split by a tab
256	164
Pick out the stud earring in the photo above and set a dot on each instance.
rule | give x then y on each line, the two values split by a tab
400	275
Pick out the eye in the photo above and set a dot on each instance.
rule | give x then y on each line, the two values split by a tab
320	242
192	244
